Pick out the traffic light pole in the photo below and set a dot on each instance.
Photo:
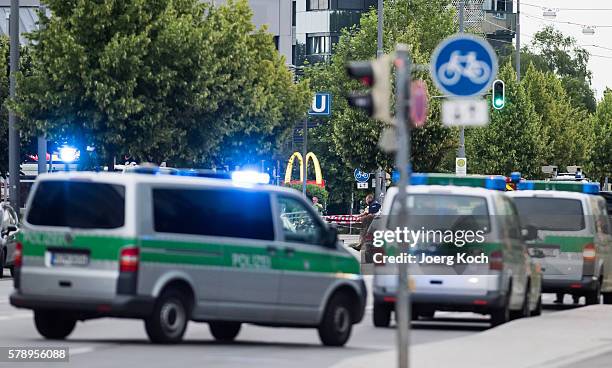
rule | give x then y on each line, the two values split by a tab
402	160
518	40
304	153
13	132
42	141
461	150
379	38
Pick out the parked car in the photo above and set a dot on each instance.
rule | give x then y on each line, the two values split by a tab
9	227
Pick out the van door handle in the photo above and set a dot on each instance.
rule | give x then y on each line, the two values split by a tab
271	250
289	251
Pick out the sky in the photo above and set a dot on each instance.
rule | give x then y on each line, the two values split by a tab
598	13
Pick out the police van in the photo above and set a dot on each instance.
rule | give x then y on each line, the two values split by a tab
169	249
571	236
506	286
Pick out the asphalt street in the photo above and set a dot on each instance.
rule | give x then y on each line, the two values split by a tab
106	342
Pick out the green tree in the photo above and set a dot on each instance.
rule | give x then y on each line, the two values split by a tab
351	137
512	140
166	80
552	51
566	130
601	150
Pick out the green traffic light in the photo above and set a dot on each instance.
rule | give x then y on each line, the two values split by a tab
498	102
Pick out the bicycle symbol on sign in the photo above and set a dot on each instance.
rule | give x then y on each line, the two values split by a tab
361	175
463	65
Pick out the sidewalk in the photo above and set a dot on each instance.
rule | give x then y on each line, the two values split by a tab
555	340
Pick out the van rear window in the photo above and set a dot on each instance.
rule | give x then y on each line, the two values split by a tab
78	204
213	212
552	214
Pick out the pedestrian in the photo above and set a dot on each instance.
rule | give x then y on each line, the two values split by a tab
318	206
372	209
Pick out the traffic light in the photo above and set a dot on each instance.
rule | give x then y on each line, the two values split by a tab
375	74
498	95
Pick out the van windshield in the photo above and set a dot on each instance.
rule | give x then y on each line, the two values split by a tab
78	204
444	212
552	214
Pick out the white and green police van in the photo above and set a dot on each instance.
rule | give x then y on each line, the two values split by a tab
570	235
169	249
500	280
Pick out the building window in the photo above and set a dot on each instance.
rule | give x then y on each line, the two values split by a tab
351	5
317	4
500	5
318	45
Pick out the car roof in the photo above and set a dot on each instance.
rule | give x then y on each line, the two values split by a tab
137	178
549	194
447	189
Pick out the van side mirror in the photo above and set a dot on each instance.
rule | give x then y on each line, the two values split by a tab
529	233
330	237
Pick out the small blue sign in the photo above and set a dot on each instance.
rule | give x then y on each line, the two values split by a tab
463	65
361	176
321	104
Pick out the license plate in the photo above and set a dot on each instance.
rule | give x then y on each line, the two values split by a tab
544	252
69	259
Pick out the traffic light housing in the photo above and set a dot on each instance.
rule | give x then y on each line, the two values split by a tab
375	74
498	95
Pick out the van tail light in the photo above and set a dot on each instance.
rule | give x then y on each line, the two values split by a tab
18	255
128	260
589	252
496	260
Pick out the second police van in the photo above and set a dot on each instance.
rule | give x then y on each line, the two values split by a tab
507	286
170	249
570	235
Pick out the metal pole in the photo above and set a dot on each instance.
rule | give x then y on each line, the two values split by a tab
13	132
377	188
461	150
402	160
42	142
304	161
518	40
379	40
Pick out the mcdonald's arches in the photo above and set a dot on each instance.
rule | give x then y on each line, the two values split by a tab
315	161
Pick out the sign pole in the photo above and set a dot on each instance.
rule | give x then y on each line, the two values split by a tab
402	160
461	150
304	161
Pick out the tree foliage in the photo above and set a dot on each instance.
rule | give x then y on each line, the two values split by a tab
566	130
552	51
601	150
161	80
512	141
350	138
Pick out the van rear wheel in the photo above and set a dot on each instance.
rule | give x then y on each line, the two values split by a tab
381	315
593	296
54	325
2	262
224	331
168	322
607	298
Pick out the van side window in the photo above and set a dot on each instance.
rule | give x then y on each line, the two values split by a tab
213	212
511	219
299	225
602	218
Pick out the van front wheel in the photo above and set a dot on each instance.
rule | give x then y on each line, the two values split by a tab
53	325
168	322
336	325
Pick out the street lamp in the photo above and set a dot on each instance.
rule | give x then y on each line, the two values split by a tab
588	30
549	13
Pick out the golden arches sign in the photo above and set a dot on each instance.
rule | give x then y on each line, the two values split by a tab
315	162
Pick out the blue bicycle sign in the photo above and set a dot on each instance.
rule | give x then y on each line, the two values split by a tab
463	65
361	176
